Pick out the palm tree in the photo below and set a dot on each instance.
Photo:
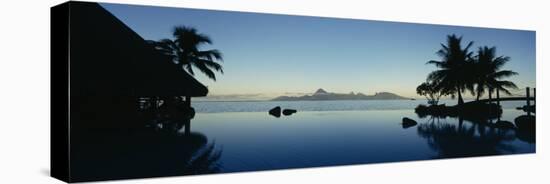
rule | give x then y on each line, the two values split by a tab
429	90
184	50
488	72
453	75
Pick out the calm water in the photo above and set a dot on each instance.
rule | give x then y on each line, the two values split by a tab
325	133
335	105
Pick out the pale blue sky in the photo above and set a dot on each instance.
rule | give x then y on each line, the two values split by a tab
275	54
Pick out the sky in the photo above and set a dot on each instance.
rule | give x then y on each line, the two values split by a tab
267	55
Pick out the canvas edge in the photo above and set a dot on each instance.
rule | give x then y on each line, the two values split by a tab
59	99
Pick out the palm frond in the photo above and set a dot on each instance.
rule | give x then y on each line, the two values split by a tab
439	64
211	54
503	74
205	161
188	38
443	52
204	69
202	38
212	64
189	69
500	61
184	50
468	45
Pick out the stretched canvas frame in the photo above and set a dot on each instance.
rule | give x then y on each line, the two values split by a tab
123	104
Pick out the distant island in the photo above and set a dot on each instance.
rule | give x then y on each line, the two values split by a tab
321	94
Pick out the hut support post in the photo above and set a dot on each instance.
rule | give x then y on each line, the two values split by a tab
490	96
187	127
154	102
528	101
498	97
528	96
188	101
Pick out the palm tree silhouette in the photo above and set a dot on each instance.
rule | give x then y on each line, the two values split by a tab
453	76
184	50
488	72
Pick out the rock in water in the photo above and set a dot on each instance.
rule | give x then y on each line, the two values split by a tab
504	125
275	111
526	128
408	122
525	123
287	112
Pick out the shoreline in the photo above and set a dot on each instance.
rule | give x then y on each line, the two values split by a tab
301	100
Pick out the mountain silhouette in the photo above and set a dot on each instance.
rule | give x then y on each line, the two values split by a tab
320	91
321	94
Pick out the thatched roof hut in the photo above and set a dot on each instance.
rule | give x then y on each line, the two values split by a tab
108	58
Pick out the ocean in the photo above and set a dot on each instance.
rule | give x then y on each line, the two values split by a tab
328	133
329	105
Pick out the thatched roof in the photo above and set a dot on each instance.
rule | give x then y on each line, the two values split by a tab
109	58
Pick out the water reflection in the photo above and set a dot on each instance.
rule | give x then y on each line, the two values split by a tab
178	144
458	136
255	141
164	146
466	140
